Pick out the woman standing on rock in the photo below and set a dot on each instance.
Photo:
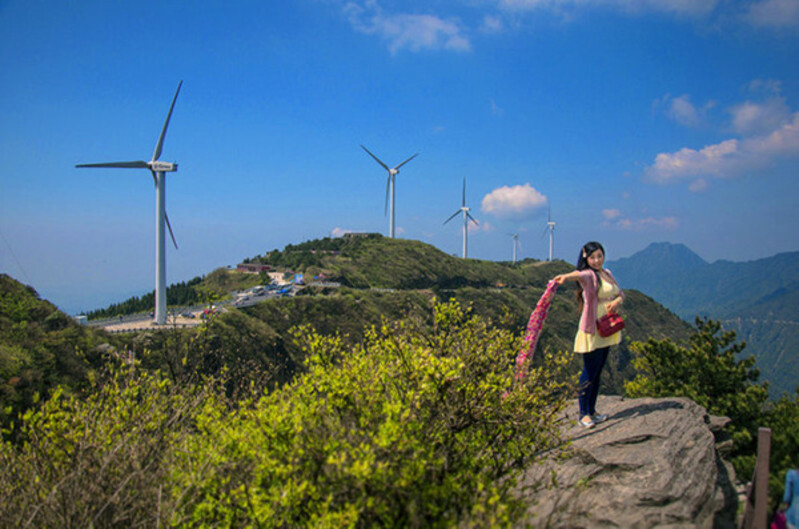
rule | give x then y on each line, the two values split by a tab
599	294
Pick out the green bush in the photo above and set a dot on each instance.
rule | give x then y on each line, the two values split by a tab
421	426
98	461
410	429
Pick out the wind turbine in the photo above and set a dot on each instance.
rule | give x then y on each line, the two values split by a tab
516	243
466	217
551	227
158	170
392	173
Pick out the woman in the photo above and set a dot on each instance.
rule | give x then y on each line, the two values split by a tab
599	294
791	498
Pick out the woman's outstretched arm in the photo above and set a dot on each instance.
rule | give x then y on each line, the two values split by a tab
571	276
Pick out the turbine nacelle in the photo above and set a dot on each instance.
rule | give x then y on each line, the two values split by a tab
163	167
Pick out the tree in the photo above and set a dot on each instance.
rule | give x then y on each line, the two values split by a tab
782	418
709	373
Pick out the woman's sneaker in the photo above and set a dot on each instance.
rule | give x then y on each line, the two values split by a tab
586	421
599	417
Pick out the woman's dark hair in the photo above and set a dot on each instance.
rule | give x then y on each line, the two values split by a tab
582	264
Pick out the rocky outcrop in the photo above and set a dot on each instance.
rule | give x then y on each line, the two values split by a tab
655	463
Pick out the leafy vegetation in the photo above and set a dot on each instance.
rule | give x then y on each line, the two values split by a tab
40	349
414	428
99	460
369	405
709	372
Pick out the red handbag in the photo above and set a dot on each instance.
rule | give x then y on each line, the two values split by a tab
609	324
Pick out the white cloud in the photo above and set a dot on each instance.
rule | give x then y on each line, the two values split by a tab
480	226
774	13
698	185
683	111
768	132
492	24
668	223
713	160
496	110
513	202
340	232
754	118
618	221
407	31
677	7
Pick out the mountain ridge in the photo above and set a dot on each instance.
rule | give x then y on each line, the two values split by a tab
759	299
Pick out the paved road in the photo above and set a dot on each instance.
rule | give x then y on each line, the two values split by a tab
179	316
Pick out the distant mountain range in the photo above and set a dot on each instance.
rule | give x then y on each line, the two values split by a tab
757	299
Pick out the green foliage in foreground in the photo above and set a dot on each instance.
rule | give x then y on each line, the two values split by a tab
100	460
416	427
708	373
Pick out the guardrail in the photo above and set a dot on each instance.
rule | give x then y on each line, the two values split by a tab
756	510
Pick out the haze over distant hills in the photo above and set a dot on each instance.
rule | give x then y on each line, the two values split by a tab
758	299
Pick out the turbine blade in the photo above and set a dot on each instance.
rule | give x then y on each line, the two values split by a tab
169	226
544	232
376	158
472	218
123	165
452	217
160	144
155	178
406	161
463	201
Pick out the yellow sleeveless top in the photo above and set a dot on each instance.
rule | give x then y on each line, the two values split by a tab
585	342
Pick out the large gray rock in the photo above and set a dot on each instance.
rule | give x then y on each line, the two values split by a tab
655	463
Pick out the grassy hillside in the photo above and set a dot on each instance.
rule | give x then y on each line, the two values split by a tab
40	348
389	279
396	279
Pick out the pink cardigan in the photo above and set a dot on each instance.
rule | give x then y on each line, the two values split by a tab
588	317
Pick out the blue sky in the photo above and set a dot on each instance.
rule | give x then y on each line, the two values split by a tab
634	121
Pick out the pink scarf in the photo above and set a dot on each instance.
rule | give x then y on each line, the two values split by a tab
534	327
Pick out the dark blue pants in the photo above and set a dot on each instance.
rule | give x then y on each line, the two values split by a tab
593	363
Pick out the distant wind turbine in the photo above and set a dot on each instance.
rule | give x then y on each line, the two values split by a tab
516	242
158	170
392	173
466	218
551	227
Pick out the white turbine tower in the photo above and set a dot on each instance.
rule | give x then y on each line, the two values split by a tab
158	170
516	243
392	173
466	218
551	227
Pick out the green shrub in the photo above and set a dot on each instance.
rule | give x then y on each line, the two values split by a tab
98	461
409	429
